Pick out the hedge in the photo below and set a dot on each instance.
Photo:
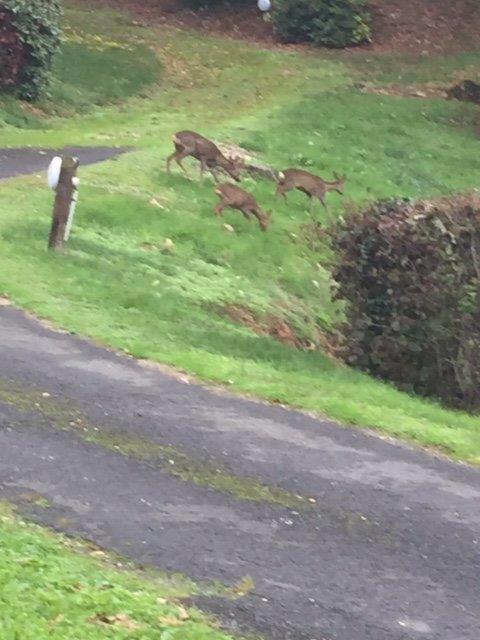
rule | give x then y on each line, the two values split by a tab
409	273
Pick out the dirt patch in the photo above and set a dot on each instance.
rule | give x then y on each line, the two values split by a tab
269	325
398	25
426	26
239	22
427	90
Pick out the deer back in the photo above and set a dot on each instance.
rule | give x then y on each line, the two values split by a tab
303	180
235	196
198	146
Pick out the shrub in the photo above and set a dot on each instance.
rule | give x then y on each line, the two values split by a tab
331	23
38	24
410	276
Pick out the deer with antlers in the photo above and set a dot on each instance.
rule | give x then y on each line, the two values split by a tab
189	143
237	198
313	186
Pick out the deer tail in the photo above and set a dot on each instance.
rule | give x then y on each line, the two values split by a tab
281	177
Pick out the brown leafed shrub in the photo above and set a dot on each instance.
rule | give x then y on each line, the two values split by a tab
409	273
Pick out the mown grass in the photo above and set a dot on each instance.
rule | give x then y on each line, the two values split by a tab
57	588
119	284
102	61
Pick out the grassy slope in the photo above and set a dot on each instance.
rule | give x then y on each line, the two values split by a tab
59	589
289	108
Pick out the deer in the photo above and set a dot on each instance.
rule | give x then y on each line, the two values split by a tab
236	198
189	143
313	186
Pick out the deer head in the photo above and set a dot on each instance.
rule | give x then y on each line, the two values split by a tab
233	166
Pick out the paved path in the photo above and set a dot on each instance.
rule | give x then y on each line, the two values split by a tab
23	161
389	551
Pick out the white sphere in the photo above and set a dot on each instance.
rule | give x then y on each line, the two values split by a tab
264	5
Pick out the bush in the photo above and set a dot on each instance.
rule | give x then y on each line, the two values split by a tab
331	23
38	23
410	276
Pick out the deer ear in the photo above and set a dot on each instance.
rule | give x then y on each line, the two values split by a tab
336	176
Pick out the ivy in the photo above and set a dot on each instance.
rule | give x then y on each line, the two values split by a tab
409	273
38	24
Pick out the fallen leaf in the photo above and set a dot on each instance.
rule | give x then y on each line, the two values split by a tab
168	245
244	587
58	619
155	203
170	621
120	620
183	613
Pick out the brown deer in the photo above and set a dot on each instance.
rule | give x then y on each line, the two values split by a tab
189	143
313	186
237	198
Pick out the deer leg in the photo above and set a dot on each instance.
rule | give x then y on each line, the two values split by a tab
214	173
203	167
322	200
310	207
178	159
247	213
169	160
261	217
219	209
281	191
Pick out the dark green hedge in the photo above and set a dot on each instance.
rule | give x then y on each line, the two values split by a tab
331	23
409	274
38	22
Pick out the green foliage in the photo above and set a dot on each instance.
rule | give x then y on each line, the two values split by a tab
410	274
331	23
38	22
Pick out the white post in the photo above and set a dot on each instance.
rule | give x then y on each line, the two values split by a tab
73	206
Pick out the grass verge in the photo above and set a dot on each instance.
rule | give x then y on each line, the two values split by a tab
120	283
62	589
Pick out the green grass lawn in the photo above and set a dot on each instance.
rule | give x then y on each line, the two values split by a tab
57	588
119	285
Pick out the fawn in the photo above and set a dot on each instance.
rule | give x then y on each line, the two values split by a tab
313	186
237	198
189	143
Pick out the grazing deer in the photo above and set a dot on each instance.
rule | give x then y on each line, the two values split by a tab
313	186
189	143
236	198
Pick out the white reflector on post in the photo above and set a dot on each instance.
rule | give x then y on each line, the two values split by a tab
53	173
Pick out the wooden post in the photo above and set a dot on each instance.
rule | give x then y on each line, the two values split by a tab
65	194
